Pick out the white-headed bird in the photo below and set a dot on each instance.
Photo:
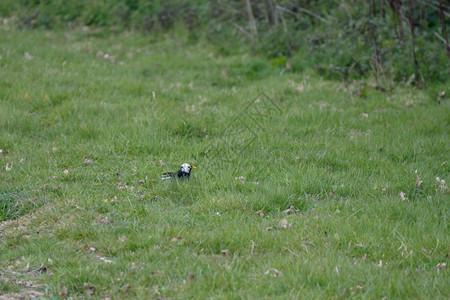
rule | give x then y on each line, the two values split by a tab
183	172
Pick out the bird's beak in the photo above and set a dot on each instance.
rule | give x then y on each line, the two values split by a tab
194	167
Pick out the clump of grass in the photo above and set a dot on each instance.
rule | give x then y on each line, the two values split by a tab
12	204
7	287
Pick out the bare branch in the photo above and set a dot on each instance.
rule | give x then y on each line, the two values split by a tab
247	34
303	10
251	19
444	26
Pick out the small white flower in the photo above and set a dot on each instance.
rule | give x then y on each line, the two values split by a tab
241	178
8	167
403	196
66	172
442	184
418	180
28	56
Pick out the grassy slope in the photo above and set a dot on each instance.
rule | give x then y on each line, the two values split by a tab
341	169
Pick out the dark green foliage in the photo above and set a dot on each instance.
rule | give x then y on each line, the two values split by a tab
342	40
253	69
142	15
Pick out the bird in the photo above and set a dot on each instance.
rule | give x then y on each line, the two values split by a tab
183	172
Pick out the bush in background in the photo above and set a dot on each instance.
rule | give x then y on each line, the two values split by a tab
391	40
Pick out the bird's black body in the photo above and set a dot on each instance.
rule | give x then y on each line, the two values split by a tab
179	174
184	172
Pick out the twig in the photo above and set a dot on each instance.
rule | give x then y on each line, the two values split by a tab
443	25
413	44
440	37
435	248
376	55
275	12
435	6
283	20
243	30
290	251
398	16
305	11
251	19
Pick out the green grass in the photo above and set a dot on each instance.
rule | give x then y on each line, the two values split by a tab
105	228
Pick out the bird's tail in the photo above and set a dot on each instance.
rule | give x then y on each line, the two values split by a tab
165	176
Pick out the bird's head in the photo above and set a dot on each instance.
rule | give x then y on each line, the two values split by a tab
186	168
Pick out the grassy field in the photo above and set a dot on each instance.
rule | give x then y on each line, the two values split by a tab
307	192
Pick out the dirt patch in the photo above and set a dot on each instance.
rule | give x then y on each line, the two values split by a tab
26	289
22	294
